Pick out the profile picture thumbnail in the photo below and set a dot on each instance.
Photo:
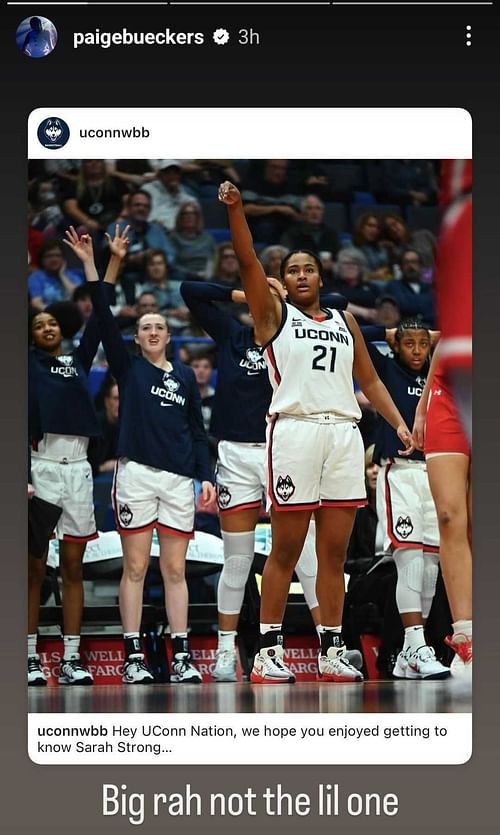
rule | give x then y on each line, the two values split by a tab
36	36
53	133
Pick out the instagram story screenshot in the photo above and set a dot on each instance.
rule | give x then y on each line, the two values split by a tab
243	285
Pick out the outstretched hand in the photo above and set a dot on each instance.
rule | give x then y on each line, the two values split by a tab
81	245
118	245
229	194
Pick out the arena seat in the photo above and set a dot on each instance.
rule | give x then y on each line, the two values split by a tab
357	209
219	235
424	217
214	214
335	215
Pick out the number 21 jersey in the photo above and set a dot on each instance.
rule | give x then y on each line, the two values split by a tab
310	365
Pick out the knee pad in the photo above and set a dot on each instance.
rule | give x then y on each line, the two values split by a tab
307	565
238	558
236	570
410	567
431	569
308	583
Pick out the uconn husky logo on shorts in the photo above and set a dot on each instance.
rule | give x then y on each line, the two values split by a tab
404	526
285	488
223	496
125	515
254	362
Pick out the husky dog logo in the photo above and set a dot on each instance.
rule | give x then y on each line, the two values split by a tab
253	355
125	515
170	384
223	496
421	381
66	359
53	130
53	133
404	526
285	487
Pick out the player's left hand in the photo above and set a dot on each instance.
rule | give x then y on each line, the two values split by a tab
406	437
119	244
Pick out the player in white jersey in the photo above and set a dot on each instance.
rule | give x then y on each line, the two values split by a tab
315	453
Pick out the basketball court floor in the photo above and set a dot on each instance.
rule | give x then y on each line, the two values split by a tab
382	696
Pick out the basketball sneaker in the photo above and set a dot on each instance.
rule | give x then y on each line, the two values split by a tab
462	646
225	665
269	667
73	672
423	664
401	665
335	666
135	671
36	676
183	670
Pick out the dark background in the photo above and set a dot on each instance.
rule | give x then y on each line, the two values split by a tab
310	56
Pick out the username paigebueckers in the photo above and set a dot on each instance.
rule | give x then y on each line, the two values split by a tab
124	37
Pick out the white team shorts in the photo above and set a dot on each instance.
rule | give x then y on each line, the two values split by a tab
315	462
405	507
70	486
240	476
145	498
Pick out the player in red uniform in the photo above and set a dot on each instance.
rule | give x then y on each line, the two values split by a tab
447	453
454	284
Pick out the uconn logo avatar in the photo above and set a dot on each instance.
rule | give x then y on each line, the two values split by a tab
53	133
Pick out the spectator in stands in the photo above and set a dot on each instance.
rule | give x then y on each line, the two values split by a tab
350	282
47	215
35	241
364	543
388	314
366	237
270	201
194	248
167	193
271	258
144	237
409	182
203	366
102	455
83	300
413	297
311	232
226	267
95	199
53	282
397	237
165	291
204	175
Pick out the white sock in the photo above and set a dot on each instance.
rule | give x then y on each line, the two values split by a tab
464	626
270	627
32	645
71	647
226	639
414	638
